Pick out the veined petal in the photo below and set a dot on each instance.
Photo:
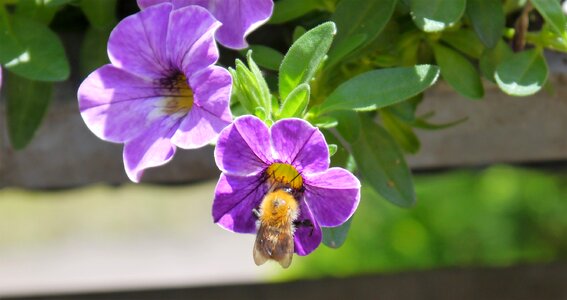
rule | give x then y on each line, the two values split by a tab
198	129
151	149
332	195
190	40
308	235
147	3
243	147
239	18
137	43
211	90
298	143
211	109
115	104
235	199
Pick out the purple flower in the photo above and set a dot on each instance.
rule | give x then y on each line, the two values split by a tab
251	155
239	17
161	90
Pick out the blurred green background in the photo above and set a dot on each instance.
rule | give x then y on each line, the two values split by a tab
498	216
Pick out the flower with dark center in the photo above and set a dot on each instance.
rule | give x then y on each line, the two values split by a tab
162	89
291	154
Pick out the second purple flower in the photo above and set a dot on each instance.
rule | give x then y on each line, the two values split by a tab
162	89
293	155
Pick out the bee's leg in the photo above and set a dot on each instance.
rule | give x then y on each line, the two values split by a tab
305	223
256	212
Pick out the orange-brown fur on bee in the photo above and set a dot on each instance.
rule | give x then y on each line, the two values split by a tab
278	211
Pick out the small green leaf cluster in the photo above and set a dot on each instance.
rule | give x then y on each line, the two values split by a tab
33	57
360	78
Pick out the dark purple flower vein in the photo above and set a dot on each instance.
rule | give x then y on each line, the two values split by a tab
254	190
303	146
151	46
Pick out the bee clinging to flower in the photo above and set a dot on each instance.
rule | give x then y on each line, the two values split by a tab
276	182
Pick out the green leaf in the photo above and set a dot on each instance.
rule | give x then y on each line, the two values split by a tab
551	11
100	13
487	18
349	124
362	18
491	58
265	99
464	40
458	72
436	15
401	132
381	163
332	149
27	102
348	46
334	237
296	102
522	74
37	10
249	87
325	122
57	2
266	57
30	49
298	32
93	50
405	110
424	124
380	88
304	57
286	10
341	156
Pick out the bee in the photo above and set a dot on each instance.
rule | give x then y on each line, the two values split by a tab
277	216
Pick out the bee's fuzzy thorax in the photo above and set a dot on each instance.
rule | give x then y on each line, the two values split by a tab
278	209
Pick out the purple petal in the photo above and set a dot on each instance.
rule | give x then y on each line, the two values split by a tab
235	198
243	147
151	149
190	41
137	43
307	238
211	110
212	88
147	3
298	143
239	18
115	104
332	195
198	129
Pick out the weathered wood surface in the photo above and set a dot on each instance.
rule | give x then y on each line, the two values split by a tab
519	283
500	129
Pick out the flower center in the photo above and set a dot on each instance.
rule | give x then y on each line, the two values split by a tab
285	174
179	97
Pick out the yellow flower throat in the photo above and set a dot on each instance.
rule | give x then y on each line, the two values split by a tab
180	95
284	174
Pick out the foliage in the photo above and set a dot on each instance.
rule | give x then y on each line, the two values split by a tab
495	217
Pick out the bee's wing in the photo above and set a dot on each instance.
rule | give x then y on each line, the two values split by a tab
260	255
285	261
283	251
